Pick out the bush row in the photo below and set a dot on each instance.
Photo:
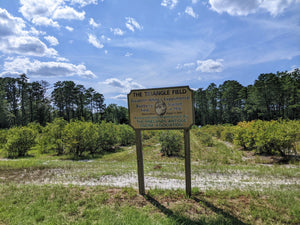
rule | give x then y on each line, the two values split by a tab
76	138
171	142
265	137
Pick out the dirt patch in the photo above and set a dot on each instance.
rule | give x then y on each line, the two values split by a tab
203	181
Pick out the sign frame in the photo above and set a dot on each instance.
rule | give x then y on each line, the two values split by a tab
138	132
190	101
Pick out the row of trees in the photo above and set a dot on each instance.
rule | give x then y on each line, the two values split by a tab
22	102
272	96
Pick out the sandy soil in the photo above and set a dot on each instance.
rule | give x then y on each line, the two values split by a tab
203	181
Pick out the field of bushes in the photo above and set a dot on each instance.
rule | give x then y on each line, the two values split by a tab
85	173
81	139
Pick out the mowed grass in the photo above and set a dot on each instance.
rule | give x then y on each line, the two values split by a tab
22	203
56	204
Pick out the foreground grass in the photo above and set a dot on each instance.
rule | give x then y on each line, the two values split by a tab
56	204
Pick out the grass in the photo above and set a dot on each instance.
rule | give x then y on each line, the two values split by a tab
23	202
56	204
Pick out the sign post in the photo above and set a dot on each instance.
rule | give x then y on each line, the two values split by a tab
140	164
161	108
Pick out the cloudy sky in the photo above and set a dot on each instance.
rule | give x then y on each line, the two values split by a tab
115	46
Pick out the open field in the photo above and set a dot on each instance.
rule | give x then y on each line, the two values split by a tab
229	187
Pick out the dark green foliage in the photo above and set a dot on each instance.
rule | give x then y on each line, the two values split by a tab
116	114
22	102
171	142
3	138
272	96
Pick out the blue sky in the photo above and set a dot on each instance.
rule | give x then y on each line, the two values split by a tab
115	46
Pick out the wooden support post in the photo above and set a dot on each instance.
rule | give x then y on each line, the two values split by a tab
187	152
140	166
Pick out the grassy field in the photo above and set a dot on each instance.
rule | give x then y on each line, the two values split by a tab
230	186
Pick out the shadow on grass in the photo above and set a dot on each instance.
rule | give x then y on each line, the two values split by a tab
169	213
221	218
219	211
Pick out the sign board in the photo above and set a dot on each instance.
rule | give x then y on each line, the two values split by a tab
161	108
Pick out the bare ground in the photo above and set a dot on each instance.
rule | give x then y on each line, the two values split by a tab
237	179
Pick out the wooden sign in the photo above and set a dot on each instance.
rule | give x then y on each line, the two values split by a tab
161	108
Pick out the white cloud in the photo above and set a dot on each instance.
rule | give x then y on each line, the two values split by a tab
83	3
124	86
117	31
44	21
14	39
93	23
69	28
94	41
48	69
10	25
189	65
169	3
128	54
132	24
209	66
245	7
52	40
36	32
104	38
44	12
120	97
31	9
234	7
68	13
185	66
276	7
189	10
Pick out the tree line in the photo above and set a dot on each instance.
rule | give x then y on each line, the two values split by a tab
23	102
272	96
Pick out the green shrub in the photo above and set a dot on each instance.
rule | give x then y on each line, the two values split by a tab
214	130
205	138
81	138
126	134
227	133
3	138
277	137
268	137
171	142
19	141
109	136
52	135
244	134
148	134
